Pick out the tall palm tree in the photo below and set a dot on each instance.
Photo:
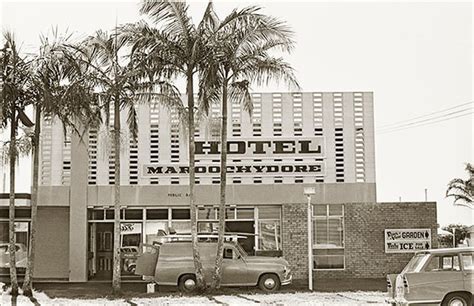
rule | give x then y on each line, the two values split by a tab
59	91
463	190
184	50
243	58
15	97
178	46
119	82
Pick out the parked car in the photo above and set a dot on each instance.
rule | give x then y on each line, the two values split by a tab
21	255
172	264
437	276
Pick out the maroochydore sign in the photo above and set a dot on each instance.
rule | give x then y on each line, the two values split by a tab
257	169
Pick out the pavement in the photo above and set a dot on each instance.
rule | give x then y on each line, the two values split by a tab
97	289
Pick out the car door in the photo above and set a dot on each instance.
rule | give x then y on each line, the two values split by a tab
467	260
146	262
441	275
234	268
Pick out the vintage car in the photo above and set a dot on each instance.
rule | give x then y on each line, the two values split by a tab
21	255
172	264
437	276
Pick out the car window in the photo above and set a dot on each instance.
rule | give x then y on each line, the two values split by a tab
443	263
416	263
467	261
228	253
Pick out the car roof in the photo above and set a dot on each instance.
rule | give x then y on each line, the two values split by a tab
448	250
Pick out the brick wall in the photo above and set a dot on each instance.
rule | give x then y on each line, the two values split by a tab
364	227
295	239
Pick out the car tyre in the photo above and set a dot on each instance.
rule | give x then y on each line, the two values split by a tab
187	283
459	298
269	283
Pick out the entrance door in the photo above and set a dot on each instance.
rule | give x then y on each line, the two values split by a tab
243	227
104	247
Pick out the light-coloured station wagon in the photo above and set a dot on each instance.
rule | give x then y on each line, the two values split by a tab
172	264
437	276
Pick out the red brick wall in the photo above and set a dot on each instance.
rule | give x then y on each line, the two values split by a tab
364	226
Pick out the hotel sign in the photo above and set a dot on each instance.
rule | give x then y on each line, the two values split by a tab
242	154
262	148
407	240
233	169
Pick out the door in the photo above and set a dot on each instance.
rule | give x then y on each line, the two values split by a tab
234	268
146	262
468	267
243	227
104	246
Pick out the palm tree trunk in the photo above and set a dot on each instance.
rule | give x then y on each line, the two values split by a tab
11	223
220	241
201	283
28	282
116	257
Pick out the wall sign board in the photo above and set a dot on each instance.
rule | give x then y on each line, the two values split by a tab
244	168
263	148
407	240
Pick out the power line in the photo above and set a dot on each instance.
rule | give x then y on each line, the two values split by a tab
423	124
426	115
424	120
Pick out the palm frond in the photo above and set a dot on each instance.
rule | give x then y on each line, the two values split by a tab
173	15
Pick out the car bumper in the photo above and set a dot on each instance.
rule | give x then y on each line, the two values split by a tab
287	280
403	302
393	301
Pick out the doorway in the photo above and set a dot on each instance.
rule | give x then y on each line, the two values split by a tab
104	245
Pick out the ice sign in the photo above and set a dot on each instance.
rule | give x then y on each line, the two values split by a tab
407	240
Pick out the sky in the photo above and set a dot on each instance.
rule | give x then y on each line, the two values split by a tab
417	58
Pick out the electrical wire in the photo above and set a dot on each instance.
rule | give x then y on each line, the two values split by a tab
423	124
383	126
424	120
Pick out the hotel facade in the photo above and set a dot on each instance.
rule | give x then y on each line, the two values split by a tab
323	140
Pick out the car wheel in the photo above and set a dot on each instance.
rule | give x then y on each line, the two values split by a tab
269	283
187	283
457	299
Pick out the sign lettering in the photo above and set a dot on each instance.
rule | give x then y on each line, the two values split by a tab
407	240
173	170
264	148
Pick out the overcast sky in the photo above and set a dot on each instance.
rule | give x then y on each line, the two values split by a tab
416	57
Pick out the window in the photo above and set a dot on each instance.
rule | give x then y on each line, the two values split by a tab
328	236
467	260
228	253
269	228
443	263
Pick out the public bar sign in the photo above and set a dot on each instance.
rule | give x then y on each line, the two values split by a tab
407	240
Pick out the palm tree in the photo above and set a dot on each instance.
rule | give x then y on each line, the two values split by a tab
59	91
179	48
15	97
183	50
242	58
119	82
463	190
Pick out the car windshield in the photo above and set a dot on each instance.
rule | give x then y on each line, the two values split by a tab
416	263
241	250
